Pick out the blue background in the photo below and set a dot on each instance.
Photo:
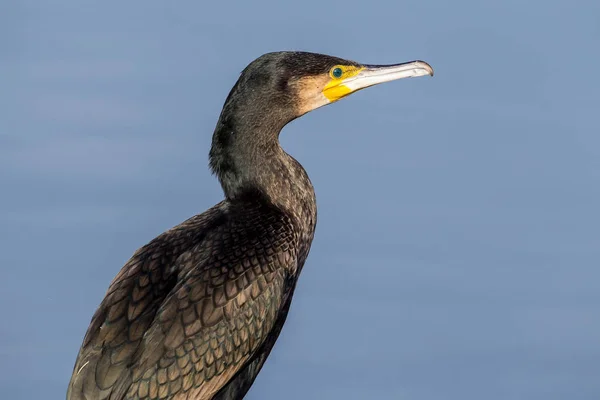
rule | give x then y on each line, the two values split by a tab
457	249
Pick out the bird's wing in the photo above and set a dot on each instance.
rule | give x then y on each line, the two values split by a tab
186	327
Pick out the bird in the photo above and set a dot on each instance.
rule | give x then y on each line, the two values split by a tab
194	313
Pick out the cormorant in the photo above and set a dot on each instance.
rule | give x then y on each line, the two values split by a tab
194	313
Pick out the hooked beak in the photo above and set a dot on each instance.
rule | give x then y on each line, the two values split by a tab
370	75
375	74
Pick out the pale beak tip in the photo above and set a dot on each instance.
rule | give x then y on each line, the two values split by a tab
426	67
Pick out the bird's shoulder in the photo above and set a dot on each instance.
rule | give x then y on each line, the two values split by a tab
215	272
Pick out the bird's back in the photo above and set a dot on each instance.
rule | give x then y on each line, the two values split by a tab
194	313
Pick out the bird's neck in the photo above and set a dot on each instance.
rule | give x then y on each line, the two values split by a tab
250	159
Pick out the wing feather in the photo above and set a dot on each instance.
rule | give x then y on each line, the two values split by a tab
189	309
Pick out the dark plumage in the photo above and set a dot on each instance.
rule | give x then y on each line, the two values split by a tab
194	313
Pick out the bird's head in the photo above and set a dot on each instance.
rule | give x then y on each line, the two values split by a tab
290	84
275	89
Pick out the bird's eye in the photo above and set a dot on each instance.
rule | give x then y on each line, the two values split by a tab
337	72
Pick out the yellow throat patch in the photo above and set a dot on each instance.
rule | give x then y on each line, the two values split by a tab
335	89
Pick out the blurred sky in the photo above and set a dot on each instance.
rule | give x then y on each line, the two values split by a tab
457	250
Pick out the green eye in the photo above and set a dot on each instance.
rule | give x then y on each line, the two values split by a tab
337	72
